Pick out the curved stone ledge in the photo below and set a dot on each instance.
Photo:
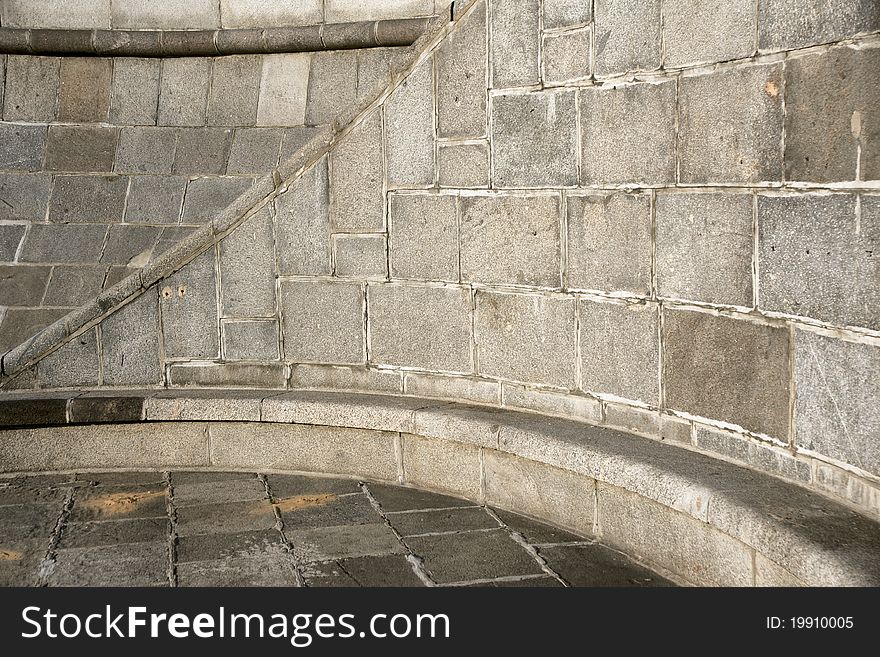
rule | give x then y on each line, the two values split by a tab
199	43
704	521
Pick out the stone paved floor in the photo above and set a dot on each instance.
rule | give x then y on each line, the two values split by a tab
241	529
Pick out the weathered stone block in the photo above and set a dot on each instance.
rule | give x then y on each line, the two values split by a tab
59	14
836	407
424	327
155	199
829	98
727	369
332	85
84	95
609	243
567	56
565	13
625	368
83	199
424	237
463	165
453	387
168	15
534	139
22	146
74	285
334	377
357	197
752	453
461	78
323	322
23	197
130	343
255	150
207	197
511	239
636	119
409	130
63	243
135	91
235	90
247	13
420	523
183	93
627	36
188	301
283	87
130	245
81	148
360	256
515	36
708	31
10	239
22	286
31	88
528	338
553	403
442	465
704	246
253	340
787	24
730	126
302	224
145	150
228	375
247	268
74	364
202	150
541	491
344	11
815	260
356	411
374	73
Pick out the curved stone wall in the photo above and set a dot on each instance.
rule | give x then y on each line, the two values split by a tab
593	214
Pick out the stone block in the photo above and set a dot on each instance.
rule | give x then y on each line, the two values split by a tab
609	243
22	146
94	534
84	92
829	98
183	92
81	148
534	139
225	518
302	224
330	511
837	413
552	403
636	119
22	286
339	410
20	324
627	36
57	14
188	301
767	573
93	408
130	343
565	13
23	197
357	452
247	13
86	199
788	24
815	258
228	375
567	56
167	15
137	564
323	322
647	422
847	486
707	32
515	37
754	454
135	91
345	11
540	491
31	88
727	369
357	195
75	364
200	548
629	368
463	165
597	565
442	465
235	90
207	197
254	150
534	532
704	246
424	237
202	151
332	85
155	199
283	89
208	405
344	542
730	126
247	268
453	387
145	150
473	425
659	536
63	243
361	256
374	72
10	239
409	130
130	245
393	499
32	410
461	78
254	340
419	523
333	377
421	327
529	338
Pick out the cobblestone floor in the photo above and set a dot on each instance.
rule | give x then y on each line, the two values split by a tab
241	529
